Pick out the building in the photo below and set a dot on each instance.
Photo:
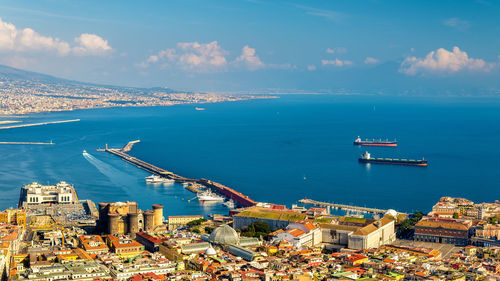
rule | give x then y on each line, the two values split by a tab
175	222
300	234
151	243
127	218
13	216
35	194
276	219
447	231
373	235
93	244
124	246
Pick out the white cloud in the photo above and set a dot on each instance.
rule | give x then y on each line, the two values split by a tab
91	44
28	40
337	50
443	61
336	62
193	56
311	67
250	59
457	23
370	60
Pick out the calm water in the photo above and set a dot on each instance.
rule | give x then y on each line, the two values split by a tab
278	150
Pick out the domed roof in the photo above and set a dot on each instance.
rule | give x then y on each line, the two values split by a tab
224	234
210	251
392	212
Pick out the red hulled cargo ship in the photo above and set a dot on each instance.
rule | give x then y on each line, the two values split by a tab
375	142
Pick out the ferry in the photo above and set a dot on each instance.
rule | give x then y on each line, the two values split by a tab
158	179
366	158
209	196
374	142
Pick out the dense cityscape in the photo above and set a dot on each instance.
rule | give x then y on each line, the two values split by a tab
20	96
54	235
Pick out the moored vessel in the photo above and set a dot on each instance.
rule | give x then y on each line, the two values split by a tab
366	158
158	179
230	204
374	142
209	196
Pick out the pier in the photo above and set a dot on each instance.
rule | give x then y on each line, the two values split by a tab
343	206
239	198
38	124
25	142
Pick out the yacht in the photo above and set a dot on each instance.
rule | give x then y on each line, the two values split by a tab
158	179
209	196
230	204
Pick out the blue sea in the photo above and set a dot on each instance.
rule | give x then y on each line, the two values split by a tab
273	150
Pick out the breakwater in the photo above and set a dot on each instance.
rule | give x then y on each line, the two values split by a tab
25	142
239	198
38	124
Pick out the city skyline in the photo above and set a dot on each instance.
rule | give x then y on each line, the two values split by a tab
385	47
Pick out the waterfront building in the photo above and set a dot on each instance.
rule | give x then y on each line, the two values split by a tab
300	234
127	218
373	235
447	231
93	244
35	194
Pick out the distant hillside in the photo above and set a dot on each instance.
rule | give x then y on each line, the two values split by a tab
11	73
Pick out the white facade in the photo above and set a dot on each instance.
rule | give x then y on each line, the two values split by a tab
62	193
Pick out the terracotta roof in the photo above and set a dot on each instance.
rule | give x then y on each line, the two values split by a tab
442	224
373	226
296	232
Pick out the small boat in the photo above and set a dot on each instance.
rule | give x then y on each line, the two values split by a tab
230	204
84	151
158	179
209	196
199	108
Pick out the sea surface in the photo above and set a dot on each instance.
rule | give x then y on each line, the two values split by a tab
273	150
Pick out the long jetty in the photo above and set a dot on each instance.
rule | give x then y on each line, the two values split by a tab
236	196
25	142
343	206
38	124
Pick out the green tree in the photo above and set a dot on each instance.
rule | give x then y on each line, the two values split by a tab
456	215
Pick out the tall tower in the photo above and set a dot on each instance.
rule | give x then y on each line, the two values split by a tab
133	223
148	221
158	214
113	223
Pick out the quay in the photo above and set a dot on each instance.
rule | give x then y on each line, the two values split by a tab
25	142
38	124
343	206
239	198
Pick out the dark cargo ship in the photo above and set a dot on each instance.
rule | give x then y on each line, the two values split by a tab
374	142
366	158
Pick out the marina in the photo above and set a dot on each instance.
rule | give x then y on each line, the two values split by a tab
238	198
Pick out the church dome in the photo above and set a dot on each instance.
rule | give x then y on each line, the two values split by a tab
224	234
210	252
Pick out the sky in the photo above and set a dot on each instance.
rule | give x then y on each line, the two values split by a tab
353	46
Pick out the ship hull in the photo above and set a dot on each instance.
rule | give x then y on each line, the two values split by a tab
365	143
419	163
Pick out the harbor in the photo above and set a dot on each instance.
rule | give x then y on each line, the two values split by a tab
343	206
231	194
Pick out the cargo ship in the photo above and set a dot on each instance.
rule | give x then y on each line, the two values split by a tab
366	158
374	142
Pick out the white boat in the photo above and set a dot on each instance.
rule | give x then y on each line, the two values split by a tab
209	196
230	204
84	151
199	108
158	179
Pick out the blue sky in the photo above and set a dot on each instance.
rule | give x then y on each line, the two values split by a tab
417	47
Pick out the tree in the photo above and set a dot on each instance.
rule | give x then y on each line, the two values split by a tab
257	229
456	215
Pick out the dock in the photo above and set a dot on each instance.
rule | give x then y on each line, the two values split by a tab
38	124
343	206
25	142
239	198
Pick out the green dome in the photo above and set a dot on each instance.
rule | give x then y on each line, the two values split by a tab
224	234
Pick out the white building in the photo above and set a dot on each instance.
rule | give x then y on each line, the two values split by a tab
300	234
35	193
